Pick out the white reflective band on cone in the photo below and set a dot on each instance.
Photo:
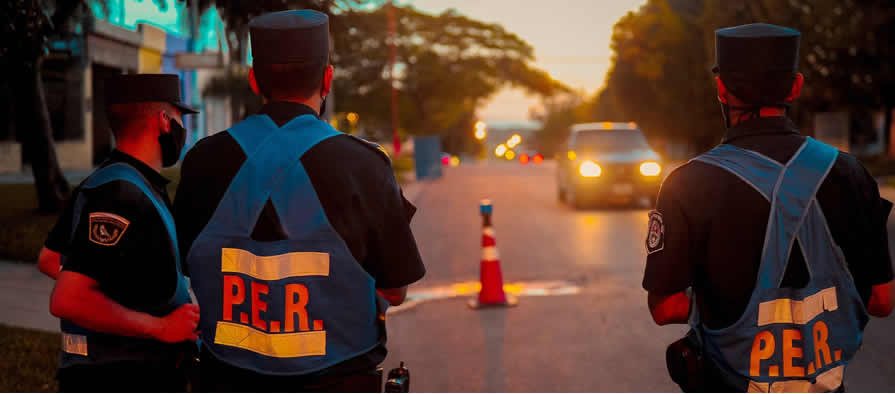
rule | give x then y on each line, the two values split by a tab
488	231
74	344
826	382
489	253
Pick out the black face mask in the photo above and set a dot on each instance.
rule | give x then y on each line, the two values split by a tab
172	144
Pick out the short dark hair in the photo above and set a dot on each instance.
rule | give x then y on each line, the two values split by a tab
290	80
759	88
122	116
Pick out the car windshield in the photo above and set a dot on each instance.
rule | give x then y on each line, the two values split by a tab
610	140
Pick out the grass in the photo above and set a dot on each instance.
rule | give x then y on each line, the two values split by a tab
24	230
28	360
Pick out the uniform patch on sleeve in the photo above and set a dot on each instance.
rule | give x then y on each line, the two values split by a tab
655	239
106	228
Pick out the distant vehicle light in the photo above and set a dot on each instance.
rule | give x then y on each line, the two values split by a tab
500	150
538	159
589	169
607	126
524	159
572	155
650	168
510	155
480	134
445	160
455	161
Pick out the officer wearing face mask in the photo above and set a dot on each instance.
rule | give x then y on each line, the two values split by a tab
126	317
773	245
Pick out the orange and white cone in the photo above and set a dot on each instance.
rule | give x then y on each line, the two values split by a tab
490	275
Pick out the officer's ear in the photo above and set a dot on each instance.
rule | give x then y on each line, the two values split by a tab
722	90
327	80
164	120
252	82
796	87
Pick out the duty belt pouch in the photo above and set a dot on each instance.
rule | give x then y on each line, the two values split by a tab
684	359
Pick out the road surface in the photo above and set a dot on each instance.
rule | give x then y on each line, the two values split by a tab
600	339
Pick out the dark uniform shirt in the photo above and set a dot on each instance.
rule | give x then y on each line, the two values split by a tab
355	185
136	266
715	226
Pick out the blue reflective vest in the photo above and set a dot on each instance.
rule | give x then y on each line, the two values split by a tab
286	307
790	339
83	346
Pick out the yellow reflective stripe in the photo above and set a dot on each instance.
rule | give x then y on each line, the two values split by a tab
825	382
74	344
274	267
785	310
297	344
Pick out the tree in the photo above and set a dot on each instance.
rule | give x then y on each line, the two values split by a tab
236	15
26	29
446	66
660	79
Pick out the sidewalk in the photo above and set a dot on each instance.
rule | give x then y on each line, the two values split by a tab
26	176
25	297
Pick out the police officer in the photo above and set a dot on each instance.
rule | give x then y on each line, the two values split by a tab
781	238
127	321
296	236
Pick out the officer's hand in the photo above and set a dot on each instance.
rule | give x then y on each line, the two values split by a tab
180	325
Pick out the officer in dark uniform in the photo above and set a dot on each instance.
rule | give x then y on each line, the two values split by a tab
295	236
780	240
127	320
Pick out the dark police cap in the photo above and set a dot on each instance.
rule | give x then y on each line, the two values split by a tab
296	36
756	47
141	88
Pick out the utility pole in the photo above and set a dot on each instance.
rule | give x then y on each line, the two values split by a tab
396	141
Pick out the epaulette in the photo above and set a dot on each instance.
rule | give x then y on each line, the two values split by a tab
374	146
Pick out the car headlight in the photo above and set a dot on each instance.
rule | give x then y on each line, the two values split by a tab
589	169
650	168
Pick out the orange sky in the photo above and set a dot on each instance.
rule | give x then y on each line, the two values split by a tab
570	38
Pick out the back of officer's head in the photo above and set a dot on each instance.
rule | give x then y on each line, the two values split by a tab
290	52
757	63
289	80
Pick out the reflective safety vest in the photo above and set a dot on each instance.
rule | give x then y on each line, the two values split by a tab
286	307
790	339
83	346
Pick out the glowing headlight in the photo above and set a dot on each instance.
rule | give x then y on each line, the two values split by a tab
650	168
572	155
589	169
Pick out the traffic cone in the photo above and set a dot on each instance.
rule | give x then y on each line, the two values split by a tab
491	278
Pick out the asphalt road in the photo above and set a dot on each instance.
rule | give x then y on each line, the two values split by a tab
600	339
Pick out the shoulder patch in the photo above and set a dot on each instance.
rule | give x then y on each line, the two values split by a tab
655	238
106	228
374	146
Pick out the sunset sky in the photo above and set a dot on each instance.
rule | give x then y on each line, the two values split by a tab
570	38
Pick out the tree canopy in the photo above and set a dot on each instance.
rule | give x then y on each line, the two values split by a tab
446	66
663	52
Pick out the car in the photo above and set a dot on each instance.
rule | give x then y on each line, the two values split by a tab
605	162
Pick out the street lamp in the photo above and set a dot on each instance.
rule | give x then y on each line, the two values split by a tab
481	130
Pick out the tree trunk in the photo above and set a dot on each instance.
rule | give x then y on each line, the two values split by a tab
37	135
